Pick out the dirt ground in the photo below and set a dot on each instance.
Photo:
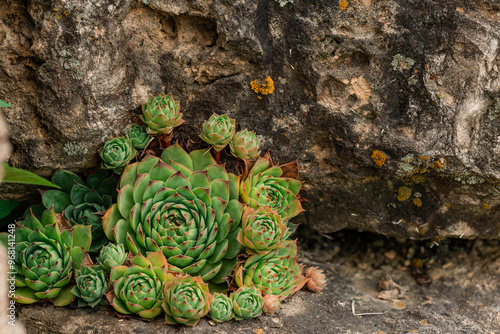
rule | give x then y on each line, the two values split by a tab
376	284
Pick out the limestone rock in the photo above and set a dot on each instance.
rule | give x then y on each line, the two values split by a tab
392	107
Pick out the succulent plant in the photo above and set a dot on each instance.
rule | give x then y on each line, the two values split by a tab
139	288
218	131
116	154
274	186
187	300
161	114
112	255
262	230
139	136
221	309
316	279
79	201
245	145
247	303
271	304
185	206
276	273
46	253
91	284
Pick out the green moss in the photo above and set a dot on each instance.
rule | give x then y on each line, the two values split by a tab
75	148
70	63
284	2
400	63
494	110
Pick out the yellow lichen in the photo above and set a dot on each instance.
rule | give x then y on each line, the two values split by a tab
417	202
343	4
378	158
436	165
403	193
486	205
265	88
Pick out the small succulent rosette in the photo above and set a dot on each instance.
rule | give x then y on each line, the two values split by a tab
161	114
116	154
274	186
139	136
91	285
316	279
138	289
46	255
245	145
277	273
112	255
187	300
218	131
80	201
262	230
221	309
272	303
247	303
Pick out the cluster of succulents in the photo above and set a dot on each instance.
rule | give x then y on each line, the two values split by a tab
174	222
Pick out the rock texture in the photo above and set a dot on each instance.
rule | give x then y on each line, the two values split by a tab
392	107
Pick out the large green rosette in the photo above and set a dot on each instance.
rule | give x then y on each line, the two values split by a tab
182	204
46	254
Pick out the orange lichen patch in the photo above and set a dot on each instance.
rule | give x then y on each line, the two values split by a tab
424	322
486	205
436	165
403	193
423	158
258	331
265	88
343	4
417	202
378	158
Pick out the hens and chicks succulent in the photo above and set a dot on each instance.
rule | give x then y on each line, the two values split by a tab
172	223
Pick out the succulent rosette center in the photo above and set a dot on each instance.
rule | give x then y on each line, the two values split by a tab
191	216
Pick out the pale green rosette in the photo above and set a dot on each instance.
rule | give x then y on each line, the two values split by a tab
116	154
247	303
161	114
218	131
91	284
221	309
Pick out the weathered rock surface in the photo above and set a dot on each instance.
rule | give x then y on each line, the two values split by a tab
392	107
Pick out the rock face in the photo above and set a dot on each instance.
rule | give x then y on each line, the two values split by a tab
392	107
